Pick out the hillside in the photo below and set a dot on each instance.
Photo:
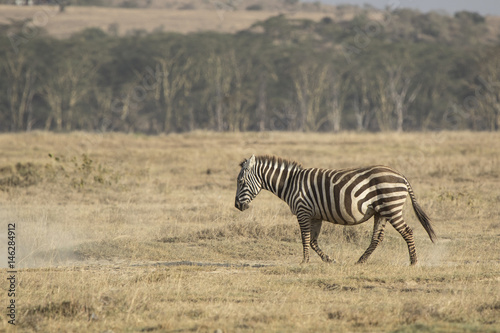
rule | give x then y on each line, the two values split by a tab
123	20
185	16
175	16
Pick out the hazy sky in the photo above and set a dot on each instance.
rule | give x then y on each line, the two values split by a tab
484	7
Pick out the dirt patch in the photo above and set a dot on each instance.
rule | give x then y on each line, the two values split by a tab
204	264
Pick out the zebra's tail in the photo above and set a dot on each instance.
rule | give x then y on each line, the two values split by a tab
421	215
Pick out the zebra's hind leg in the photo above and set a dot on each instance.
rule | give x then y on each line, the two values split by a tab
315	230
377	237
399	224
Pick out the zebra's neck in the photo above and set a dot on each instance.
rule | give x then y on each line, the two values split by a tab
277	174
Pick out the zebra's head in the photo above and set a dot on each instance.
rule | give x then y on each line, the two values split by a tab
249	184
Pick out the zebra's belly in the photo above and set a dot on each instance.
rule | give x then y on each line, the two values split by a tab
356	217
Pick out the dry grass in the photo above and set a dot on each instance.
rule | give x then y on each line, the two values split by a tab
123	232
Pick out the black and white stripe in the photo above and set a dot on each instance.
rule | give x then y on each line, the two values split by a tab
346	197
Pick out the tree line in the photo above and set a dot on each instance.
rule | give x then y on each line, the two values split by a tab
408	71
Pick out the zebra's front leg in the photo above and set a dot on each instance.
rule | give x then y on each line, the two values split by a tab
305	234
315	230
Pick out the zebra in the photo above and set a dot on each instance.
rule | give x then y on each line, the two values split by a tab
345	197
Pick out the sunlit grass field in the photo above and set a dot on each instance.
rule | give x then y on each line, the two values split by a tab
118	232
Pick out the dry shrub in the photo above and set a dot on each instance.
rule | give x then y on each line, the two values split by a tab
413	312
64	309
77	172
23	174
491	308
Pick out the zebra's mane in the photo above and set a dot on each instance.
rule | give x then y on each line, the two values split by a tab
278	161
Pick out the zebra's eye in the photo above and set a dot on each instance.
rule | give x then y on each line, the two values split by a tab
241	181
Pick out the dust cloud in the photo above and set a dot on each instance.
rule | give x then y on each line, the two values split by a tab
39	240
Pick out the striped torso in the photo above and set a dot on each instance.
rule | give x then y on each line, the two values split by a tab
347	196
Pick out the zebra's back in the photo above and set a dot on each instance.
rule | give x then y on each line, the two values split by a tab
351	196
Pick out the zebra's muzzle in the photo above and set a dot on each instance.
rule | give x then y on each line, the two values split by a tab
240	206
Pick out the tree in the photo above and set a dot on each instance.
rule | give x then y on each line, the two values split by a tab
384	107
336	95
220	80
102	109
400	81
71	80
361	103
396	90
309	81
262	99
487	91
21	90
171	74
235	100
225	97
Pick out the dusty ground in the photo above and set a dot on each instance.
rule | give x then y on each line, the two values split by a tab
123	232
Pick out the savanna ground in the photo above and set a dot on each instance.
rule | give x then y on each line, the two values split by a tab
119	232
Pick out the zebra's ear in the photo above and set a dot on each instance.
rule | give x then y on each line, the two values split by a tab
251	162
247	164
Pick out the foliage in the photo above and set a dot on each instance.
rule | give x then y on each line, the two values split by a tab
254	7
408	71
